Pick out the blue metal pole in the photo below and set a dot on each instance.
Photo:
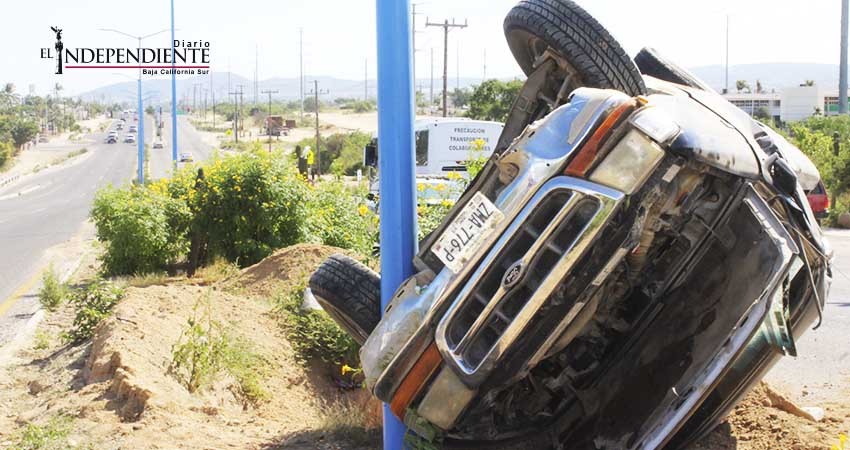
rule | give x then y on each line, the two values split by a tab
140	139
173	94
395	136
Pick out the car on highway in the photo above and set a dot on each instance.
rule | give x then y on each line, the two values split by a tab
158	144
111	139
819	201
42	139
132	129
130	139
186	157
120	126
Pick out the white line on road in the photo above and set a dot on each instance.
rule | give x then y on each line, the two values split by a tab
21	192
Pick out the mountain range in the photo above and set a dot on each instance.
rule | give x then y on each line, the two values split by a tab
773	76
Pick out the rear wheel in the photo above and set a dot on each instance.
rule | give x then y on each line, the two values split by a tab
350	293
591	54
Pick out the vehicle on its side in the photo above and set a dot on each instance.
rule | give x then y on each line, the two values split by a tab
444	146
632	259
130	139
819	201
158	144
186	157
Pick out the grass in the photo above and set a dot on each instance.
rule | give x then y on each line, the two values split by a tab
51	436
313	334
41	340
53	291
147	279
348	422
220	269
204	351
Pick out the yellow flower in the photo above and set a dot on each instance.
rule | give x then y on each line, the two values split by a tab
346	369
447	203
363	210
420	187
440	187
454	176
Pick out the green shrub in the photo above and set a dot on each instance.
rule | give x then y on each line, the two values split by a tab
7	150
51	436
144	229
204	350
52	291
248	205
313	334
92	305
339	217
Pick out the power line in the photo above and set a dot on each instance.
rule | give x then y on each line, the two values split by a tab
446	26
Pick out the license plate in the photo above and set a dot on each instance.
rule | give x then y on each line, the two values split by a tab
466	233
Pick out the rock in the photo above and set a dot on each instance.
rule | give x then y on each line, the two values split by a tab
36	387
815	412
844	220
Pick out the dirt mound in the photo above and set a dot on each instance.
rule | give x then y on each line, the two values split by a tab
120	394
283	269
766	420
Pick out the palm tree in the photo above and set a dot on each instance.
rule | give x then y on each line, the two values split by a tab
742	85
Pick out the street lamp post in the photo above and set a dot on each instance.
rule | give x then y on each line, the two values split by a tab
140	111
173	94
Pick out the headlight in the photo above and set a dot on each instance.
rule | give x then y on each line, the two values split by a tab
629	163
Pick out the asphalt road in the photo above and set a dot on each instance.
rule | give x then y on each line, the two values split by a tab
46	209
49	207
190	141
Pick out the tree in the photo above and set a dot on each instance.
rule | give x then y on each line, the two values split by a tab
759	88
460	97
22	130
492	100
762	114
742	85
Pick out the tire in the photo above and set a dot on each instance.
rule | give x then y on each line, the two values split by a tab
350	293
593	54
651	63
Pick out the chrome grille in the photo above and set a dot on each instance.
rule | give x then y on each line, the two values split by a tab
521	270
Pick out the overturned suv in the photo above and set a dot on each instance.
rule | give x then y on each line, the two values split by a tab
635	255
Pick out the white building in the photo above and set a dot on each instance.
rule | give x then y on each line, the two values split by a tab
790	104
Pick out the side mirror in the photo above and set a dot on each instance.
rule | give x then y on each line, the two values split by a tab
370	154
784	178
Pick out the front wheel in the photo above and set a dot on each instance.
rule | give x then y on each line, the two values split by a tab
350	293
594	58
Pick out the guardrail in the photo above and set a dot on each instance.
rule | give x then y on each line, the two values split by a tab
5	181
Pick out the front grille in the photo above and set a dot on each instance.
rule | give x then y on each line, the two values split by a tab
496	303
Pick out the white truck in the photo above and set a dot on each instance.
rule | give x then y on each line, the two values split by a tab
444	145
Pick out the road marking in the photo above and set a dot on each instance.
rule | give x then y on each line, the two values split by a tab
22	192
18	294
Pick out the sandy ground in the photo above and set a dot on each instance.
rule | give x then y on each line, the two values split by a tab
120	390
43	155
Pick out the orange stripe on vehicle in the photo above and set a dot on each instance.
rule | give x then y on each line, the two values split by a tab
581	163
415	380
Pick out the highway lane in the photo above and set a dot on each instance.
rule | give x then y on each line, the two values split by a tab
189	141
48	208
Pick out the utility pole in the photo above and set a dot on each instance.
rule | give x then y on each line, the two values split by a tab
457	67
842	75
431	101
446	26
301	77
256	72
366	80
485	66
316	93
413	37
237	95
268	118
726	89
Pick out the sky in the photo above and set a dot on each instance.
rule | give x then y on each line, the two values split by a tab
339	35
